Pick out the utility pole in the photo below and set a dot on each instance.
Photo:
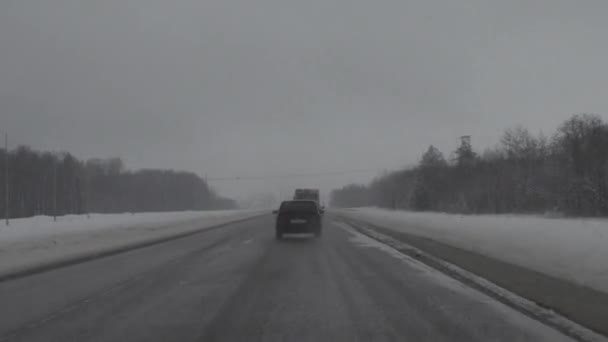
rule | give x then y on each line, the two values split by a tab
6	181
393	193
54	189
85	194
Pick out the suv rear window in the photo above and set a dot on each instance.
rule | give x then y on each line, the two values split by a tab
298	207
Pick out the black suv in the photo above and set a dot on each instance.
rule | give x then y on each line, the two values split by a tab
299	217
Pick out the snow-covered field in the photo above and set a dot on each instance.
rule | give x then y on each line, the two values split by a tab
568	248
39	240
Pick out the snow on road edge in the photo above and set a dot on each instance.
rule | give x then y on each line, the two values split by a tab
393	247
575	250
32	242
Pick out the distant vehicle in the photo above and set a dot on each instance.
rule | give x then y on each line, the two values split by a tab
307	194
299	217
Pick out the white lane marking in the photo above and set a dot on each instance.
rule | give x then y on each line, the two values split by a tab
46	319
364	241
390	246
66	310
33	325
247	241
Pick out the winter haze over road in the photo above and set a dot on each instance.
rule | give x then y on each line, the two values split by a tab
242	88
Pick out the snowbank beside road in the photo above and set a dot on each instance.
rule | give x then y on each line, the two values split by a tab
44	226
29	242
571	249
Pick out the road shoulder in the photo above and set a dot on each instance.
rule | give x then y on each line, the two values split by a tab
582	305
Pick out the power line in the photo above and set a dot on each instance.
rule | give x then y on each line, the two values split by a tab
294	175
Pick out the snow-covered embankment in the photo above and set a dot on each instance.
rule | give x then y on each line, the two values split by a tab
573	249
30	243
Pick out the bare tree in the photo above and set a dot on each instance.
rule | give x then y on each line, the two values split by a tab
524	173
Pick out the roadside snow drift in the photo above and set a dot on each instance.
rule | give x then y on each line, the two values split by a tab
572	249
29	242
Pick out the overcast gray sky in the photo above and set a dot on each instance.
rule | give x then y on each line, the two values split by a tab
274	87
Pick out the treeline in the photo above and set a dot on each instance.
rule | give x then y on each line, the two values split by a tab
44	183
566	173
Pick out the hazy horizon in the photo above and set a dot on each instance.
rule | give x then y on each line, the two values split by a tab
274	88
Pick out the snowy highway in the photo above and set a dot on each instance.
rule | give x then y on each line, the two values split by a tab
238	283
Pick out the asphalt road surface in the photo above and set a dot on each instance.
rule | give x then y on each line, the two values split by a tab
238	283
